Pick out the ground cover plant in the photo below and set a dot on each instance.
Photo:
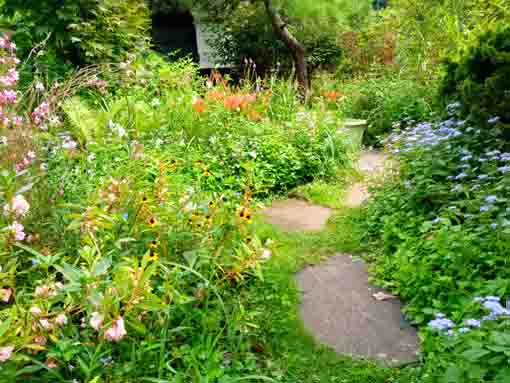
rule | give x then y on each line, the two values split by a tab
443	223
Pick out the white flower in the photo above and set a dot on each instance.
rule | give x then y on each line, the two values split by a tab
5	353
69	144
3	140
96	321
155	103
39	86
266	254
91	157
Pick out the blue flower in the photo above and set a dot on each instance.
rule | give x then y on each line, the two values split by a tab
464	330
125	215
495	308
485	208
494	226
504	169
473	323
493	120
441	323
451	333
491	199
482	177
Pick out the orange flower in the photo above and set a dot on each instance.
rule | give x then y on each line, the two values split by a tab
254	115
215	95
199	105
332	95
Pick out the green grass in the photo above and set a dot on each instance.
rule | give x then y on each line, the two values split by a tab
294	355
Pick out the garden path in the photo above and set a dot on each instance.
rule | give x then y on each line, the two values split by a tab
339	306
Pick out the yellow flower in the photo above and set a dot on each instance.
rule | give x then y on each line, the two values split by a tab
211	205
144	199
152	221
207	173
245	214
153	256
154	244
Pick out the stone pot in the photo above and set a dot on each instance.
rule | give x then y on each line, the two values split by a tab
355	129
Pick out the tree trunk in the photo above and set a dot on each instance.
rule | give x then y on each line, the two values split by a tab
281	30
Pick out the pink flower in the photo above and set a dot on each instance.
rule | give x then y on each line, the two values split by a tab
42	291
5	295
61	319
45	324
116	332
19	206
8	97
6	353
17	229
96	321
41	113
17	121
35	311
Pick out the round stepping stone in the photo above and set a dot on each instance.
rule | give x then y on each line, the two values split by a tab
340	310
297	215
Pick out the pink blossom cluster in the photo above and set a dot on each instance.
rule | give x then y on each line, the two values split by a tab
114	333
25	162
10	79
101	85
17	209
8	97
41	113
7	44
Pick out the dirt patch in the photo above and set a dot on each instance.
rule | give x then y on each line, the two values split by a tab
340	310
297	215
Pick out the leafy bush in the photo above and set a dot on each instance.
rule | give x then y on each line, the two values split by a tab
384	101
442	227
84	31
480	78
248	34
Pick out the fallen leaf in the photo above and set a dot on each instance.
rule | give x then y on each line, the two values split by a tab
380	296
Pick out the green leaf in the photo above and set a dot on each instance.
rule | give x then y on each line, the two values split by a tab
452	374
102	266
475	354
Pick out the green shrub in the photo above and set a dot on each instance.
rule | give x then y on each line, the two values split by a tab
248	33
385	101
84	31
480	78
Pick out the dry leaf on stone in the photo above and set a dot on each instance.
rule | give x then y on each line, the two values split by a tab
380	296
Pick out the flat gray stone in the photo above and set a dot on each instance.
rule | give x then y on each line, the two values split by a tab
297	215
339	309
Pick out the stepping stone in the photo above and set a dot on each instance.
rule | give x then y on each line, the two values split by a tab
356	195
297	215
340	310
372	161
